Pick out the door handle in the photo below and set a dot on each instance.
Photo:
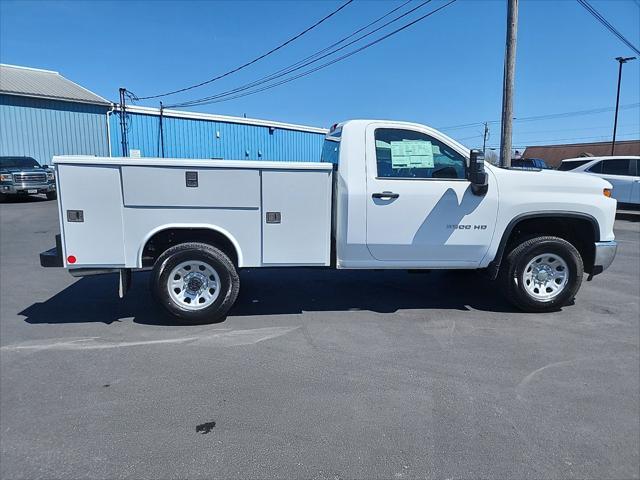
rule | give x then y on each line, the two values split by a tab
385	195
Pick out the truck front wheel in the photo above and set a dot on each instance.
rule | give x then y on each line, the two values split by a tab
196	282
542	274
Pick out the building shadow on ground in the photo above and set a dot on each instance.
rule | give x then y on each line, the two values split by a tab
280	292
628	215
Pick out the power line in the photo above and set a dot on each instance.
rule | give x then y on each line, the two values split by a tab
570	114
604	137
469	138
313	58
466	125
251	62
610	27
320	67
310	71
529	132
549	116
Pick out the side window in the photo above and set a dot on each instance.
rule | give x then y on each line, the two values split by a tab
330	151
618	166
566	166
595	168
410	154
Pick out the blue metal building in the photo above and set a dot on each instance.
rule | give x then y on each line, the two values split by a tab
199	135
43	114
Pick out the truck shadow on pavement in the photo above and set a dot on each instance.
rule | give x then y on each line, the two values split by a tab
281	292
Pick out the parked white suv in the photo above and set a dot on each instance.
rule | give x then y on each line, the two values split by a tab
622	172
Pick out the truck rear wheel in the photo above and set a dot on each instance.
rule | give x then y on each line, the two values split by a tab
542	274
196	282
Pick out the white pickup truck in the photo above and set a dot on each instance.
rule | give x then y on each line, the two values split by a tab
386	195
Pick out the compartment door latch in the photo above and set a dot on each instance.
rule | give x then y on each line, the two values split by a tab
191	179
273	217
75	216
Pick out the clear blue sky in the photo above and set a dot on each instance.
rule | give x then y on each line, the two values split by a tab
446	70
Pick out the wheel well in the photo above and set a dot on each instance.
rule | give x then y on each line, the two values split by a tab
165	239
581	232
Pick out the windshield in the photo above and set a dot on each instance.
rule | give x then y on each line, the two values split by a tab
571	165
18	162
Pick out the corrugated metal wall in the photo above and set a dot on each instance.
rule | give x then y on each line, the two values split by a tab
42	128
195	138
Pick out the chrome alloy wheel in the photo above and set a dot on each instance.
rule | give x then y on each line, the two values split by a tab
193	285
545	276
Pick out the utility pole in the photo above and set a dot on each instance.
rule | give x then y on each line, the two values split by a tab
161	130
486	137
123	123
620	60
508	83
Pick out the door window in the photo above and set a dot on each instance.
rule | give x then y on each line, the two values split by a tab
595	168
617	166
409	154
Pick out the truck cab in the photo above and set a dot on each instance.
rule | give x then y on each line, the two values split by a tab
405	199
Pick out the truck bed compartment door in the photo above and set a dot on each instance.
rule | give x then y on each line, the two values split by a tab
296	217
91	200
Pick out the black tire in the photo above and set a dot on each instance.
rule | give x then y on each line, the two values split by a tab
229	284
52	195
3	197
512	270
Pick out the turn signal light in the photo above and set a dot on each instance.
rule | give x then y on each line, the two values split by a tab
607	192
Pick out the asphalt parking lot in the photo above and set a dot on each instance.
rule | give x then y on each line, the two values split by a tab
315	374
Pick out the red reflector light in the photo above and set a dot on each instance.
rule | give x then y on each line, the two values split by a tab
71	259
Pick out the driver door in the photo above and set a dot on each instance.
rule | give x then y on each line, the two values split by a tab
420	207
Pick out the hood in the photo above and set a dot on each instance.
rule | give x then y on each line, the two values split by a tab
18	170
550	180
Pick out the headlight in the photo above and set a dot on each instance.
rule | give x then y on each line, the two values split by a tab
6	177
50	176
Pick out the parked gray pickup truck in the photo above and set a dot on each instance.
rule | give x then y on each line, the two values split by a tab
25	176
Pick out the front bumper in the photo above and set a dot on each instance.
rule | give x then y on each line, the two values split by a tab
605	252
26	188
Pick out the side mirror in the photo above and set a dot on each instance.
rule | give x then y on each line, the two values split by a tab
476	174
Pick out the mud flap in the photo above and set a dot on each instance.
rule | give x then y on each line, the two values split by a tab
124	282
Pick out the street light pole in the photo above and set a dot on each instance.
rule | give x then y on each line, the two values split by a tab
620	60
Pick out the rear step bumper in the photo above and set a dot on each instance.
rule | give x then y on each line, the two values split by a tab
53	257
